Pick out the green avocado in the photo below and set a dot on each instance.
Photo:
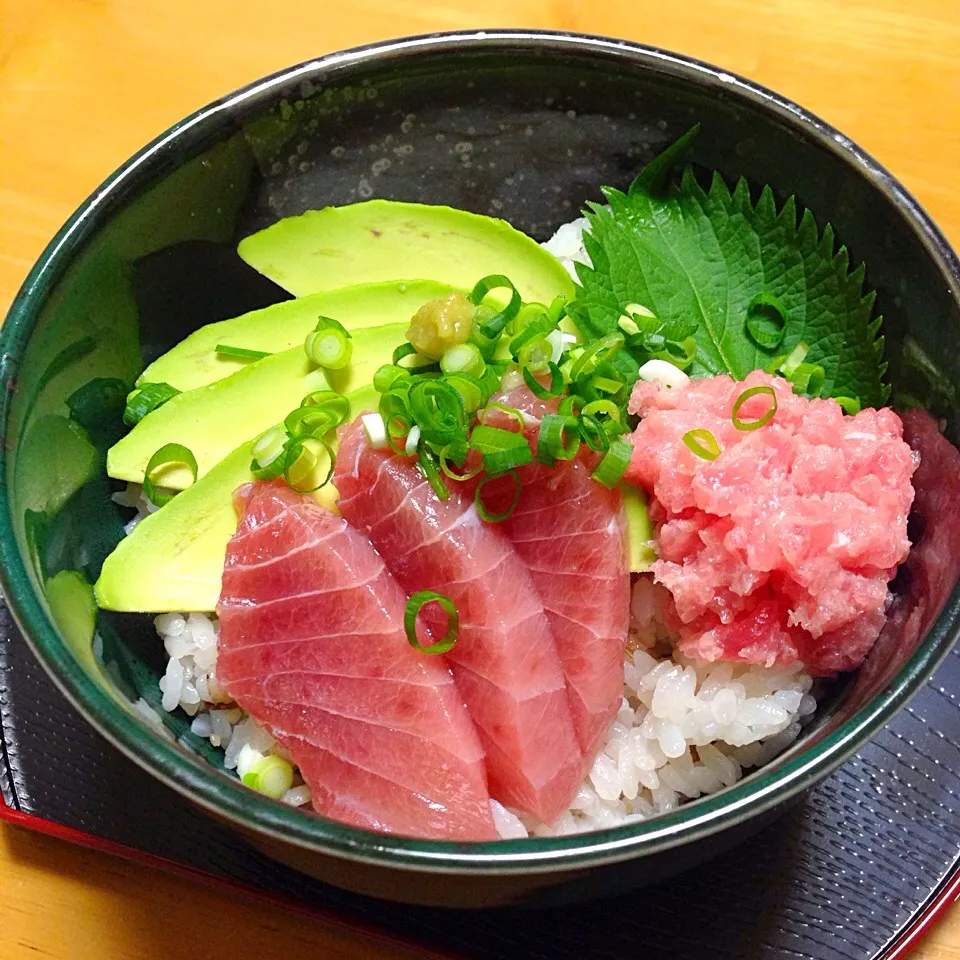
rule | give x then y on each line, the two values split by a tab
194	361
214	419
173	559
385	240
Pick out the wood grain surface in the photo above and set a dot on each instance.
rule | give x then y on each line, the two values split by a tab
84	83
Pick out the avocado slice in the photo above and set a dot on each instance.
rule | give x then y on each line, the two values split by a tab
386	240
640	532
212	420
173	559
194	362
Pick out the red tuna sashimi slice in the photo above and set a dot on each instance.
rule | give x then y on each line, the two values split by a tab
505	660
312	645
570	532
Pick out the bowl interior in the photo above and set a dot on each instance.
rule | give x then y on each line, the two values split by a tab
523	127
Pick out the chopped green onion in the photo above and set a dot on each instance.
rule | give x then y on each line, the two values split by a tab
614	464
638	310
538	389
552	444
761	421
703	443
387	375
169	453
301	461
376	431
271	776
529	313
308	422
485	514
463	358
850	405
766	321
439	410
535	330
446	458
494	326
415	604
335	405
239	353
680	354
793	359
570	405
596	353
330	347
808	378
628	326
606	385
486	439
512	412
428	464
404	350
471	390
592	432
267	450
145	400
501	461
395	411
558	308
602	407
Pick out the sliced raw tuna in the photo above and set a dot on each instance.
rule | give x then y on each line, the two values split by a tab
780	548
312	645
570	532
505	661
932	567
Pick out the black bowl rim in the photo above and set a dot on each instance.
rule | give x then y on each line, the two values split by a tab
224	796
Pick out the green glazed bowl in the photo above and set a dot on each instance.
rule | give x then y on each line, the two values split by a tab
520	124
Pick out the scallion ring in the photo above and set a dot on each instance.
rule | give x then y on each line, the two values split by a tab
614	464
168	454
387	375
595	353
538	389
446	458
760	421
808	378
330	345
487	515
557	439
494	326
439	411
766	321
702	443
301	461
849	405
267	452
145	400
412	610
463	358
592	432
793	359
472	391
500	461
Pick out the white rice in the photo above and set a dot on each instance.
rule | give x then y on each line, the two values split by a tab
684	729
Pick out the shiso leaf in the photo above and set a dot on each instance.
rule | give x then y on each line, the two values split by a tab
697	259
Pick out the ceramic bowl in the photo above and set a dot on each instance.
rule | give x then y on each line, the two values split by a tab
522	125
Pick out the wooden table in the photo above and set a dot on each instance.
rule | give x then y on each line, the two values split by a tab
84	83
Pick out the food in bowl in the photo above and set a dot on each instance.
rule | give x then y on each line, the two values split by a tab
483	539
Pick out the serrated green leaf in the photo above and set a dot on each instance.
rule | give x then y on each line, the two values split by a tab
693	255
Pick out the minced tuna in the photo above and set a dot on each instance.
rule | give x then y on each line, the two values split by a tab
781	548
